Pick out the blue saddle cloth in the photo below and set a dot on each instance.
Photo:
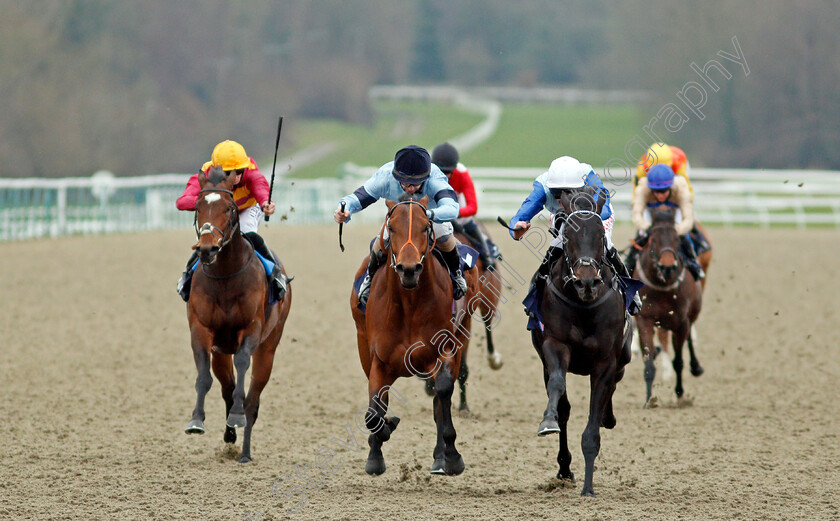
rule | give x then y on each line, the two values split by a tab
468	255
534	298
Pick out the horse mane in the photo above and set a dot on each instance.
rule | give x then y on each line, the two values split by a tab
410	197
663	215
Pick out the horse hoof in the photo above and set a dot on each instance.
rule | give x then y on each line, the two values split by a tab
587	493
454	467
495	361
375	466
245	459
438	467
608	422
230	435
236	420
568	476
652	403
392	422
697	370
195	427
548	426
464	412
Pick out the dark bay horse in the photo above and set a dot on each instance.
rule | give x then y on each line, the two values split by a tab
486	302
585	332
408	329
230	319
672	298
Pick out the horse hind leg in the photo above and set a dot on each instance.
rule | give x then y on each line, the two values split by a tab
448	460
261	372
241	360
590	441
463	374
494	358
223	369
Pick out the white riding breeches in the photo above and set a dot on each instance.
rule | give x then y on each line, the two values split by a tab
249	219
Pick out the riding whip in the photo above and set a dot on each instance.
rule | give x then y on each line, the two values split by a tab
341	227
505	224
274	164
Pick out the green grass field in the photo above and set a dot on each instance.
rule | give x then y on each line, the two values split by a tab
528	135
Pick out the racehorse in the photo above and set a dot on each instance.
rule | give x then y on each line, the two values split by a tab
408	329
229	314
489	293
672	299
585	332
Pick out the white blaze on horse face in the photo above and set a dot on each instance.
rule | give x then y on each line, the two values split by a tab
212	197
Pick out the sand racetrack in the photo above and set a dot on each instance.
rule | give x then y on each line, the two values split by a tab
97	377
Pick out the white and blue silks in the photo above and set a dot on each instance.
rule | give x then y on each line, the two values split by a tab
443	201
540	197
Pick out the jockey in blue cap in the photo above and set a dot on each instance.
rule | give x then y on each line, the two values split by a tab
567	173
663	187
411	172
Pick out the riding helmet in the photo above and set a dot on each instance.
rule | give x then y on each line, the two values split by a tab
660	177
412	165
445	156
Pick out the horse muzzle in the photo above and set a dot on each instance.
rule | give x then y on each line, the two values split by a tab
409	275
208	254
588	288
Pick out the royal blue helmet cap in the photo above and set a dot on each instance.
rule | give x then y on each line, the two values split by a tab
660	177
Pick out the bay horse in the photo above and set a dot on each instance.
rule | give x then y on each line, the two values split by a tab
486	302
228	311
672	299
408	329
585	332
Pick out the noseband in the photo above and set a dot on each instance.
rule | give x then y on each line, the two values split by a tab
225	236
430	234
581	261
656	255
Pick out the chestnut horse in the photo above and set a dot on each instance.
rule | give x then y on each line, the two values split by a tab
408	329
486	303
585	332
672	298
229	314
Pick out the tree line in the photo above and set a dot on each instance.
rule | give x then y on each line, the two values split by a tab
148	87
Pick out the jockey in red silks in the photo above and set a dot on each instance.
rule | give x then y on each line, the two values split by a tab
445	156
250	192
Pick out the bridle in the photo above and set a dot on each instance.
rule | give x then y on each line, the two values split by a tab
225	236
657	255
430	234
580	261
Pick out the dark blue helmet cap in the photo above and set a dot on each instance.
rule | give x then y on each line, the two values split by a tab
412	165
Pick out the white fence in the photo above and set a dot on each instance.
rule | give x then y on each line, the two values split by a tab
31	208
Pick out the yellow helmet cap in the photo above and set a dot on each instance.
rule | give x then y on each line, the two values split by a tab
658	153
230	155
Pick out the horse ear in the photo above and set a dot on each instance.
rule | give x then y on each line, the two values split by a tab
425	200
566	202
390	204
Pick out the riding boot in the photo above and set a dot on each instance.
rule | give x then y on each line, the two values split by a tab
552	254
633	255
621	269
699	239
472	231
373	265
277	281
184	283
691	257
453	263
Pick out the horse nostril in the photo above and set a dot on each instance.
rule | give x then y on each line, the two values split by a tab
418	268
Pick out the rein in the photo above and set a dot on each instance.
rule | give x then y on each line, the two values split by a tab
582	261
644	277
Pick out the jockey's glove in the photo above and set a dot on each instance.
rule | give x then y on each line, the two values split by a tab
430	214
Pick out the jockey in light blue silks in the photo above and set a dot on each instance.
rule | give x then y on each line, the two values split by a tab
567	174
411	172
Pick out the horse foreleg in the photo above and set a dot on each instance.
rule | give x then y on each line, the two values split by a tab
263	360
696	368
645	328
555	385
447	459
203	382
379	426
678	337
590	442
223	369
241	360
564	457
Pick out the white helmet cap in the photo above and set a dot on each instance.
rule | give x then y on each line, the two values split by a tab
567	172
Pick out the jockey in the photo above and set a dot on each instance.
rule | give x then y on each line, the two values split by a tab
567	174
445	156
250	192
410	172
662	187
